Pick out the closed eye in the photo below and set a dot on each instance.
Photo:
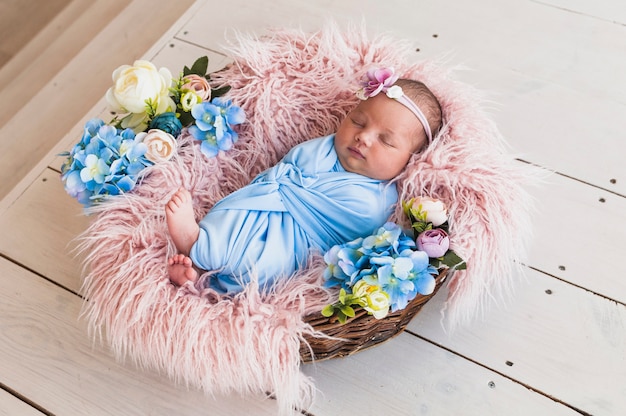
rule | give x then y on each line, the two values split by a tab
386	141
357	123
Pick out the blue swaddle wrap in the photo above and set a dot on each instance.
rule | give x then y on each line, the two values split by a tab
306	201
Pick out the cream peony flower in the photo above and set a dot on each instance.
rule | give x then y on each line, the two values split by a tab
134	85
436	211
161	145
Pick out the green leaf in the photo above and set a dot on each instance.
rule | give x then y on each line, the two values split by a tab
342	296
218	92
186	119
348	311
342	317
198	68
406	207
453	261
328	311
420	227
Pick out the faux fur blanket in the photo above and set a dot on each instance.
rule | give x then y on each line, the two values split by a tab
293	86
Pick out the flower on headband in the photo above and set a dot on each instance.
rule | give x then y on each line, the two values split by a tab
379	79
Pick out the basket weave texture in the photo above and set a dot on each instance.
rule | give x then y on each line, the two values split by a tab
360	332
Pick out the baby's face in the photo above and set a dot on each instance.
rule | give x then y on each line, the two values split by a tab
378	138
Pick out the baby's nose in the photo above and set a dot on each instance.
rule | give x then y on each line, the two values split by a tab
365	138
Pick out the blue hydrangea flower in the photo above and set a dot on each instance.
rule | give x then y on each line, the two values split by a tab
106	161
422	273
386	237
214	125
400	290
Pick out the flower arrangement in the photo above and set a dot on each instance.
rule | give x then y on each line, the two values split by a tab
151	109
385	271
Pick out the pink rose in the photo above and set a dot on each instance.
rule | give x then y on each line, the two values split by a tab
197	84
435	242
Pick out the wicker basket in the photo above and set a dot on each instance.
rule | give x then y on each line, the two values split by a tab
361	332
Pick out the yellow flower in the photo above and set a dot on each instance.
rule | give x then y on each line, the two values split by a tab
374	300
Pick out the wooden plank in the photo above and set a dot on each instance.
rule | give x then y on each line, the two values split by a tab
175	54
256	17
560	128
409	376
563	341
46	356
15	33
54	26
12	406
579	236
53	47
39	227
612	11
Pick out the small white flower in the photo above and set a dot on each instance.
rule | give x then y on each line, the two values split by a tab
436	211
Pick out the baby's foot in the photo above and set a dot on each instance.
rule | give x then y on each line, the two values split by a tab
180	268
181	222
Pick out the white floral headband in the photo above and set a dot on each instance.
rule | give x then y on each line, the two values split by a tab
382	79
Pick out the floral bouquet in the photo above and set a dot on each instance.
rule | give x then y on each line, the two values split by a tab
387	270
151	108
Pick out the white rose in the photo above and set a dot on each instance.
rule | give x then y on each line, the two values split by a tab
161	145
134	85
377	304
435	210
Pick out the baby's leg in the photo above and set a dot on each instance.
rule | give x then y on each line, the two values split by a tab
181	222
180	268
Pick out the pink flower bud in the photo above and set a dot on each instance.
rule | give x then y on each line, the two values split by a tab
435	242
198	85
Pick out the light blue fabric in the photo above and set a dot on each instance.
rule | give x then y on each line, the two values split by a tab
307	201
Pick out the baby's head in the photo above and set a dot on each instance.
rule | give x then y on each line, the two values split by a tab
378	138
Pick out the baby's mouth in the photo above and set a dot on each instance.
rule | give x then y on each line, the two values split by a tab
356	153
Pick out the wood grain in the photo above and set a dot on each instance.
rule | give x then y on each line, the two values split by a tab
45	356
12	406
562	340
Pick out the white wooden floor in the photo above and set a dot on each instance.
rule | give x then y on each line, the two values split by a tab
555	72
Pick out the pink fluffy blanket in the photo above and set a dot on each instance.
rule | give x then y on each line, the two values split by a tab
293	86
